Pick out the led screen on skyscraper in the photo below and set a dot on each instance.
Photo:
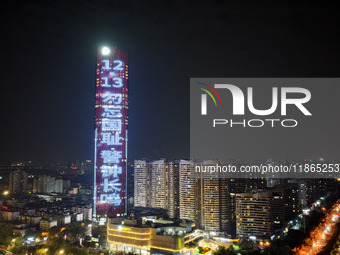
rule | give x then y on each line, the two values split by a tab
111	122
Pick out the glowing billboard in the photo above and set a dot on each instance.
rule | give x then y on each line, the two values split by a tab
111	122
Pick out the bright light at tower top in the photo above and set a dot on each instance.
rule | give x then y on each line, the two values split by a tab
105	50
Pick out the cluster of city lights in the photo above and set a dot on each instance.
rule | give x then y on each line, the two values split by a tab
320	236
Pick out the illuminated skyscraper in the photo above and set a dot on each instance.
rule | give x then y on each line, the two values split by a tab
187	190
141	183
18	182
111	123
173	188
211	198
259	214
157	185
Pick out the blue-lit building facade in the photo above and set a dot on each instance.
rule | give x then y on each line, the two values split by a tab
111	126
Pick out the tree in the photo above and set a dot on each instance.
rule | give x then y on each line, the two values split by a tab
6	233
131	253
42	251
53	231
89	244
222	250
30	249
276	250
76	251
19	249
74	230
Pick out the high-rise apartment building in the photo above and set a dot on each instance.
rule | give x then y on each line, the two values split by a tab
141	183
211	204
235	186
173	198
212	200
152	183
58	186
253	215
187	190
176	187
47	184
215	203
18	182
159	177
156	184
259	214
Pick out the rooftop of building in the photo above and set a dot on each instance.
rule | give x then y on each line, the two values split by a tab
146	217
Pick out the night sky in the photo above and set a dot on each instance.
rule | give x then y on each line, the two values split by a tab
48	57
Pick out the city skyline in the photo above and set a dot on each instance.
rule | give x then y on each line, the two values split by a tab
169	128
53	110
